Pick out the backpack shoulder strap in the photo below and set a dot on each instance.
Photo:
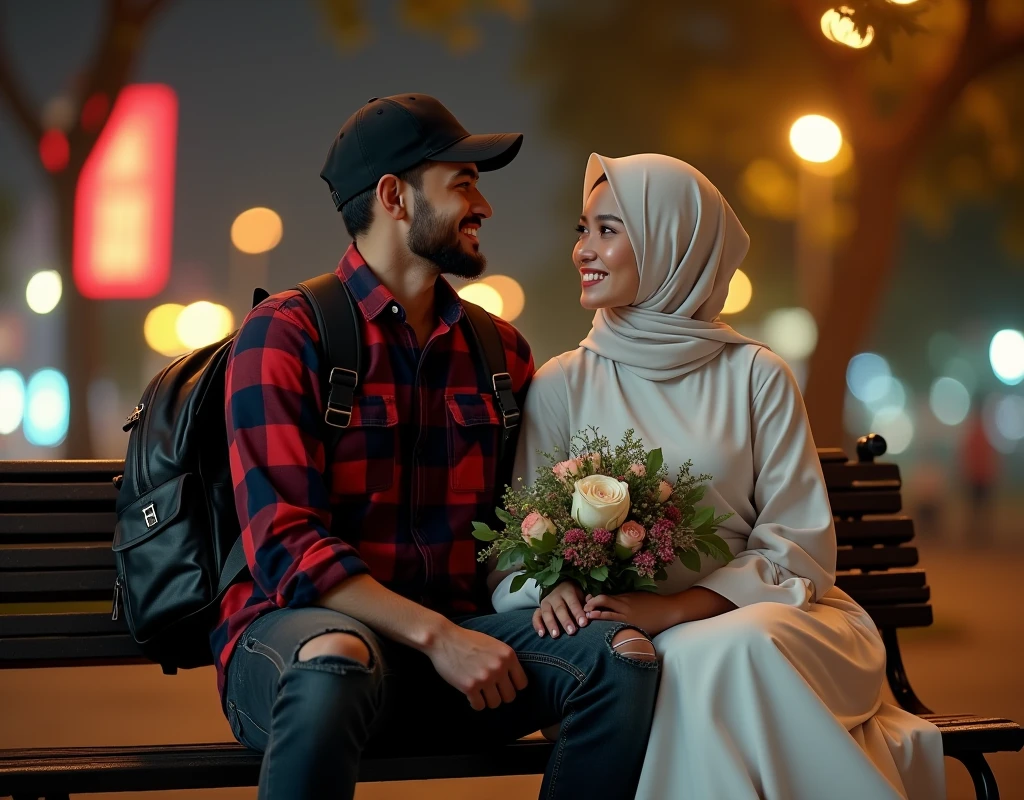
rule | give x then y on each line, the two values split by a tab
337	320
488	344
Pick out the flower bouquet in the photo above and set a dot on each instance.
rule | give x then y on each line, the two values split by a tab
606	518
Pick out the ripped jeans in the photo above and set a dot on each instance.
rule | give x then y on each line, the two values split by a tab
314	719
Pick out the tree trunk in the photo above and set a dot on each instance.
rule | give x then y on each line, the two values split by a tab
81	335
858	281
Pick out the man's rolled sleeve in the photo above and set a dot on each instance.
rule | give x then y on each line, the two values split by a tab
277	459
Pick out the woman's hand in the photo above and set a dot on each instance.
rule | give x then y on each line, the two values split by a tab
652	613
562	607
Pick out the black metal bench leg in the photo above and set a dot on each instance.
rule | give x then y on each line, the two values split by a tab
981	773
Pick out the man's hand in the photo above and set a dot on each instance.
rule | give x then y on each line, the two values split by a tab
482	668
562	606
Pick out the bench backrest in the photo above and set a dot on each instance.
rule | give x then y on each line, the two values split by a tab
57	568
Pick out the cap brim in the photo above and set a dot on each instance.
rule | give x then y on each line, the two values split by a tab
488	151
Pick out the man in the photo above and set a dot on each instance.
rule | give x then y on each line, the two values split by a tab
364	623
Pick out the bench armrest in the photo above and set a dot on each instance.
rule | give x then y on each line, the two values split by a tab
899	683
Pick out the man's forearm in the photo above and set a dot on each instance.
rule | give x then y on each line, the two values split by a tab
390	614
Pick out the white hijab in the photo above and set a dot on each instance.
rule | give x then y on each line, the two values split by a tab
688	244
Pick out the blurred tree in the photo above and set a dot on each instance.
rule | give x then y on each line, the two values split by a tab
64	136
719	82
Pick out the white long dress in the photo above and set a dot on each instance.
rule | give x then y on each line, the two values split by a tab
780	698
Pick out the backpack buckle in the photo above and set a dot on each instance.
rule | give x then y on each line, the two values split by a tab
502	383
339	402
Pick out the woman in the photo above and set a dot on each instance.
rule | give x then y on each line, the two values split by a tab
772	677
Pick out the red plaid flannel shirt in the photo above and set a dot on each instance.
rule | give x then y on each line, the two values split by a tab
397	497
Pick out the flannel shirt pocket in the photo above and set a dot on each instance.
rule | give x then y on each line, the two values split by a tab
473	433
367	450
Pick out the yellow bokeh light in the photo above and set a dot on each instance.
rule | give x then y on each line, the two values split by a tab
902	2
160	329
257	230
815	138
487	297
840	29
43	291
513	298
740	292
203	323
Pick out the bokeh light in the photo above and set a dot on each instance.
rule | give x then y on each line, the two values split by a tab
257	230
203	323
1006	354
43	291
12	400
485	296
885	393
740	292
990	420
791	332
54	150
896	427
949	400
815	138
160	329
862	376
513	298
47	408
1008	417
962	370
837	25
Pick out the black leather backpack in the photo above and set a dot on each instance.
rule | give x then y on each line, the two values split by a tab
177	542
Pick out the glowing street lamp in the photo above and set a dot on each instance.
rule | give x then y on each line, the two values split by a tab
837	25
815	138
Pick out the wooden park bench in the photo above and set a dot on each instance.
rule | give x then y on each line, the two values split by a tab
56	524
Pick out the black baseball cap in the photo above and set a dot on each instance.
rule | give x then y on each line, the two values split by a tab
389	135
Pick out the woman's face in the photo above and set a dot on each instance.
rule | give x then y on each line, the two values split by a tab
603	254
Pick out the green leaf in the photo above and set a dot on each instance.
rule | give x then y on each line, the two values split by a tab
623	553
483	532
702	517
556	564
654	462
504	516
547	578
690	560
545	544
694	496
718	545
508	559
518	582
599	573
644	584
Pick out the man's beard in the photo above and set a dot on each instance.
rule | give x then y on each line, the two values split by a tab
435	238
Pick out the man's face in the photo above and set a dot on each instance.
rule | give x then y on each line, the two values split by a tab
447	214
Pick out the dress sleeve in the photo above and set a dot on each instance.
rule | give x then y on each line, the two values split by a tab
790	556
545	426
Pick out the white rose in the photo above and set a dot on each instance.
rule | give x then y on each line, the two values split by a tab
599	501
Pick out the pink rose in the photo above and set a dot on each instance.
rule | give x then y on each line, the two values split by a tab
536	525
638	469
664	491
631	536
565	469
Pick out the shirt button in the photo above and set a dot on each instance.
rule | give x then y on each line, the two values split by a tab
394	309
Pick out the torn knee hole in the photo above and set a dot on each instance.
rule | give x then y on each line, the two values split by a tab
343	645
633	644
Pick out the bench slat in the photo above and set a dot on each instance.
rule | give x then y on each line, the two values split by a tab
90	555
54	527
855	502
71	584
868	581
46	496
886	530
875	557
59	468
853	475
66	651
75	623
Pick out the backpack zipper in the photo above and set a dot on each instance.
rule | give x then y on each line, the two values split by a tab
116	608
142	479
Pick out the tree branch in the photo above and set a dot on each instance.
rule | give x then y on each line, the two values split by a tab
981	50
16	98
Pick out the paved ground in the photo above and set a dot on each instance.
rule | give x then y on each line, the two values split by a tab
972	660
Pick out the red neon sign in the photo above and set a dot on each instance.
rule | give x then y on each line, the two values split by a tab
124	202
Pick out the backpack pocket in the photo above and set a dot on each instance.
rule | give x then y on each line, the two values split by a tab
164	564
